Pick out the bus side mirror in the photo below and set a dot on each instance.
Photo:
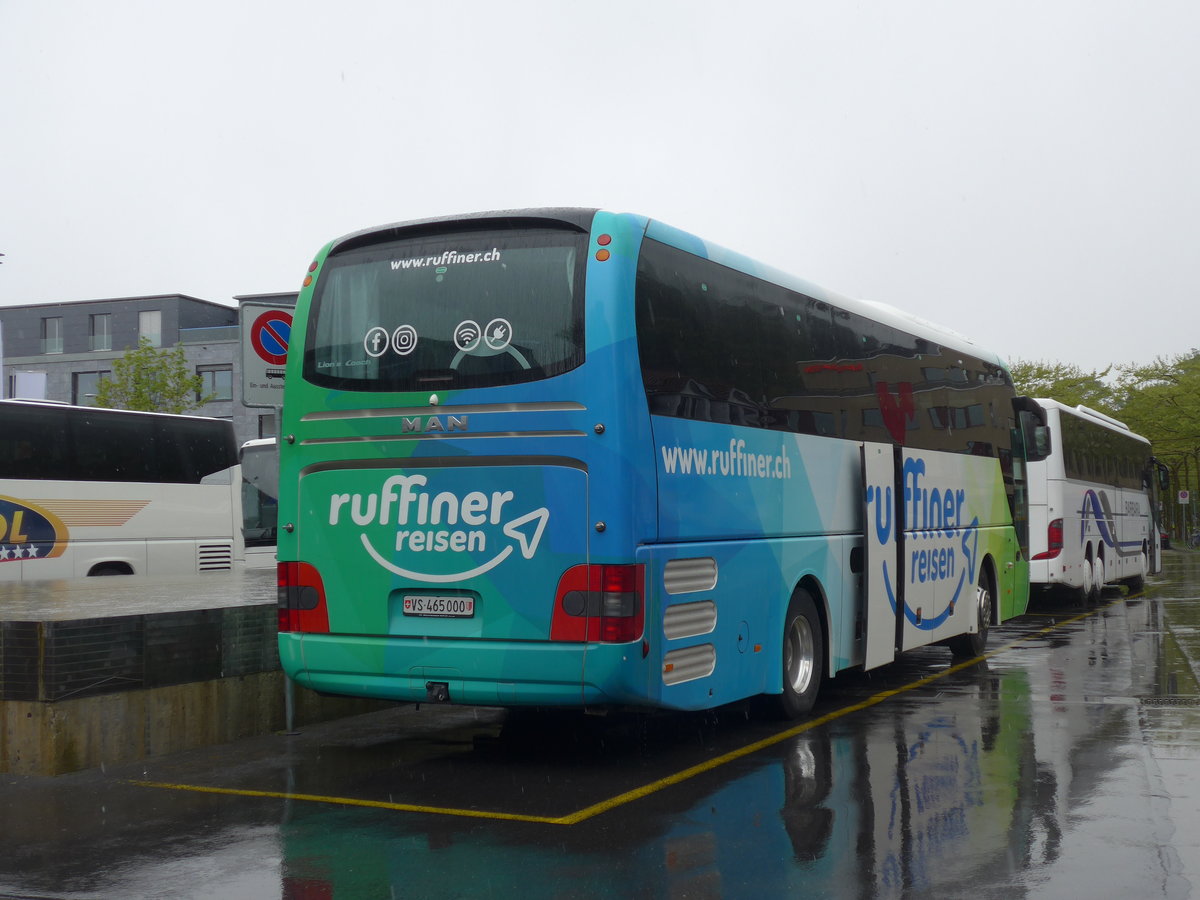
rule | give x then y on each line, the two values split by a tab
1164	478
1035	433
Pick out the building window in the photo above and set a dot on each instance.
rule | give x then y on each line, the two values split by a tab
52	335
216	382
100	331
85	386
150	326
27	385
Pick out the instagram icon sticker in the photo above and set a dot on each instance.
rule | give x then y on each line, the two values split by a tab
404	340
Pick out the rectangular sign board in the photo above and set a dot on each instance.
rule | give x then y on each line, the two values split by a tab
266	329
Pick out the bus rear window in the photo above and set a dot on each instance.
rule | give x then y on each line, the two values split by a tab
447	311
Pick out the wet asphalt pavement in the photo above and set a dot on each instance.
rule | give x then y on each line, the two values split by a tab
1064	764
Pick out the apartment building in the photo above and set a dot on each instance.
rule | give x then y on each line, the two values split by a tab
60	351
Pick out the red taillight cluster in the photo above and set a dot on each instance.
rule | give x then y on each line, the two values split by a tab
602	603
1054	540
301	598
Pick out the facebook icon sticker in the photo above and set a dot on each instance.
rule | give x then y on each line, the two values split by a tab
377	342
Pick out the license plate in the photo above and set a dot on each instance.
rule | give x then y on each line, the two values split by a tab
446	607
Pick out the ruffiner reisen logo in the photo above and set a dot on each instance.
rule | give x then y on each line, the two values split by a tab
471	526
942	545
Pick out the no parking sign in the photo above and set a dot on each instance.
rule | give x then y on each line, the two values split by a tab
269	335
266	333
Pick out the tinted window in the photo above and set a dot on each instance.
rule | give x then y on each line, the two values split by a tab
66	444
1094	453
457	310
720	346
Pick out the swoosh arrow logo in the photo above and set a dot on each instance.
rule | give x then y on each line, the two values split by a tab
528	541
526	531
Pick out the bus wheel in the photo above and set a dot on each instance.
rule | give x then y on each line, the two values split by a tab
1137	583
1097	580
803	655
1084	591
968	646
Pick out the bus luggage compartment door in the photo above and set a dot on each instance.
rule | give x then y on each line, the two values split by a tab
882	535
954	511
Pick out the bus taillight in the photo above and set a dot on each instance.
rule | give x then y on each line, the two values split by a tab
600	603
1054	540
301	598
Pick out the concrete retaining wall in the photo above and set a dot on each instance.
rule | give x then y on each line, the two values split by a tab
51	738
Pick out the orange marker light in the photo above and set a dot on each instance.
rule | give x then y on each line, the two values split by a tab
602	255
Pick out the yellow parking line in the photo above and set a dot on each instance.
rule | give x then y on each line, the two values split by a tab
645	790
351	801
718	761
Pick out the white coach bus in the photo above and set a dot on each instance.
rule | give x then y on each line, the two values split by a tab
1093	504
260	501
89	491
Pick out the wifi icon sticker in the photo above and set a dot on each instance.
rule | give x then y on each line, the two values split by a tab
467	335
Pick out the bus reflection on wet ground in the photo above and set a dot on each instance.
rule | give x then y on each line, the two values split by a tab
1060	764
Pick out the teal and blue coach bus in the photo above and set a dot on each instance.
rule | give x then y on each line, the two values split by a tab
577	457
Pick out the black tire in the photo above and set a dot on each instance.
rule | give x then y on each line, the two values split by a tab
802	656
1097	593
1082	595
1135	584
969	646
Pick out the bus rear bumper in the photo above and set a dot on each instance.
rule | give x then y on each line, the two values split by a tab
495	673
1053	573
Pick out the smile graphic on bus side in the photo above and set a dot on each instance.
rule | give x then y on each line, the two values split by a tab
29	532
455	529
940	544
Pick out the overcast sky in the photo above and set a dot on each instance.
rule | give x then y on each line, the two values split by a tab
1025	172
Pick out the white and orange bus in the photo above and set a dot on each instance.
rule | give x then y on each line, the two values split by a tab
88	491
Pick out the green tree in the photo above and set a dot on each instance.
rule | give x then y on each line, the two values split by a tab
1065	382
1161	401
152	380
